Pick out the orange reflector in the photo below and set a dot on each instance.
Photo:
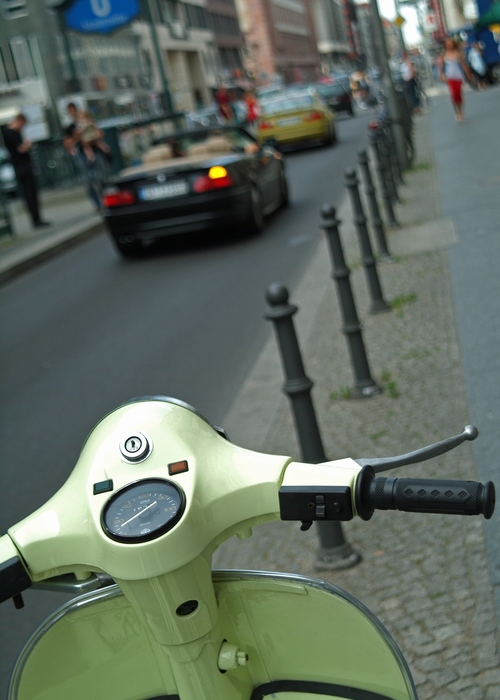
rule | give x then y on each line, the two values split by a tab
216	172
178	467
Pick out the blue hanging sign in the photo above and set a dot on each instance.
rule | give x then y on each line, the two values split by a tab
102	16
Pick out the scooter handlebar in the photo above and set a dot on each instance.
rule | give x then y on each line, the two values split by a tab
452	496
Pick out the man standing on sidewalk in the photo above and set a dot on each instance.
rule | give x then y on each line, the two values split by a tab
23	167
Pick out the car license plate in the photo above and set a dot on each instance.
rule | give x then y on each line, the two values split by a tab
290	121
169	189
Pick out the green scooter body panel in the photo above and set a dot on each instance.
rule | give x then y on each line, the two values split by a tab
294	630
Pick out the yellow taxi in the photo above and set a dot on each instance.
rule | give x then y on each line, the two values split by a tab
295	117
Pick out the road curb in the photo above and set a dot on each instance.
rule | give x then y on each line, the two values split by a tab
17	261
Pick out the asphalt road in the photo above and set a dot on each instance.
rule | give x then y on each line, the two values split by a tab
87	331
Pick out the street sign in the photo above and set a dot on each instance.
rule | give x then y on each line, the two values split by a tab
399	21
101	16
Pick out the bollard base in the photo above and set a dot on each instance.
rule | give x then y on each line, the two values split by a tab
394	223
336	558
366	392
380	306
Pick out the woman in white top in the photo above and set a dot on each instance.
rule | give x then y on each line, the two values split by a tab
452	68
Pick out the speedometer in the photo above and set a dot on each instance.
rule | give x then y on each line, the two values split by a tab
143	510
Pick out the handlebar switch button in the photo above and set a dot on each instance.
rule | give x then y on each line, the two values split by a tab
320	507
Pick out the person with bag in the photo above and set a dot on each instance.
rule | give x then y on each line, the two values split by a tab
83	140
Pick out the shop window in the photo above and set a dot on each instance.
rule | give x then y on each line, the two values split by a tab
11	9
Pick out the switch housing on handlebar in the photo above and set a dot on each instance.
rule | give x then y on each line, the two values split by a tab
308	503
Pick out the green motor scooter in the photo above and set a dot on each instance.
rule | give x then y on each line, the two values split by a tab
155	491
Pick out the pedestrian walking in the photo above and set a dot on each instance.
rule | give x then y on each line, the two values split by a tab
478	66
85	142
452	70
252	109
19	150
409	75
223	101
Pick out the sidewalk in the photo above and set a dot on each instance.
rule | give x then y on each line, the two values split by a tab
72	217
426	576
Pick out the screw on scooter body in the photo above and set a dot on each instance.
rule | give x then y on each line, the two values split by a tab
368	259
379	166
334	552
364	385
371	195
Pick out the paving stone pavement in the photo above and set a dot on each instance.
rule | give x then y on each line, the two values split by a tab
425	576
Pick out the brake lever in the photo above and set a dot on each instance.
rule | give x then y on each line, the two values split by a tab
381	464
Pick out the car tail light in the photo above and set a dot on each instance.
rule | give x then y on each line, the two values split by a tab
113	197
217	178
313	116
266	125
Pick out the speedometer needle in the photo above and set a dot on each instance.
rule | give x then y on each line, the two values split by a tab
140	513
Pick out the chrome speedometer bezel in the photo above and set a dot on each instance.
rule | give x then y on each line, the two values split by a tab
157	532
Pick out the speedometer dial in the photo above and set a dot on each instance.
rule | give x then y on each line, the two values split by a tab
143	511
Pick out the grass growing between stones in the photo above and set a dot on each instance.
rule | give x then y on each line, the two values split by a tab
389	385
398	303
421	166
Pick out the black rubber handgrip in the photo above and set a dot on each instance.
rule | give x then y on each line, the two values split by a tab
423	495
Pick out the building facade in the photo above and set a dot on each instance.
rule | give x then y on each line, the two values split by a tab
280	40
171	52
331	33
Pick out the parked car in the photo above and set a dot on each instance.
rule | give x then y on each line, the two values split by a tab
8	182
197	180
341	77
335	96
295	117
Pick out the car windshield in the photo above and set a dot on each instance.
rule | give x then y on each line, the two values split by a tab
330	90
292	103
202	143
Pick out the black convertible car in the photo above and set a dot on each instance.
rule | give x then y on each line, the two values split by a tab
193	181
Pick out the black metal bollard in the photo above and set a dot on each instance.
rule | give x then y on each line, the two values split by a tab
371	195
374	287
334	552
379	166
396	165
385	154
364	385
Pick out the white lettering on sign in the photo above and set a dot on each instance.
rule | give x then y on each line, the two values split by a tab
101	8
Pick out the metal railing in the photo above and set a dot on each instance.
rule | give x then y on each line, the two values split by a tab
56	169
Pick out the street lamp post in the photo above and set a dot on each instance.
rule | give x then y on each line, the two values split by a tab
166	98
393	106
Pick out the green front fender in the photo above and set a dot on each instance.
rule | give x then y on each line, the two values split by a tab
304	639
